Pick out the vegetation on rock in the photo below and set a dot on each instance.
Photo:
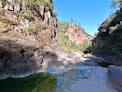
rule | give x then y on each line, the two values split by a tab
108	41
82	48
72	45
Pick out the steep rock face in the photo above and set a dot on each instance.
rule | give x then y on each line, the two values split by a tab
109	39
25	31
77	34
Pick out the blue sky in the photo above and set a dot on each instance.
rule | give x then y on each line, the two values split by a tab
89	13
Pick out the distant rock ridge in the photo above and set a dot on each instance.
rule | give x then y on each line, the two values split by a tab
78	34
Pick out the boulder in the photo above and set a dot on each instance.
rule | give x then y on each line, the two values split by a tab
115	76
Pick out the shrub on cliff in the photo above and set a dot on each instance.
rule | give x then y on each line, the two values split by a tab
34	4
27	14
31	30
38	22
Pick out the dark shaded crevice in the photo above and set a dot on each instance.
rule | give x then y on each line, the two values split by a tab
22	51
39	14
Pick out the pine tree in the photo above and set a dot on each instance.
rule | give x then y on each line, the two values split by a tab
114	4
71	21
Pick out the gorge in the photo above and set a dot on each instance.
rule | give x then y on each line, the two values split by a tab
38	53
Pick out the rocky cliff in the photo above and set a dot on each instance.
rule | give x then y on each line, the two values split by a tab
27	29
78	34
108	42
74	37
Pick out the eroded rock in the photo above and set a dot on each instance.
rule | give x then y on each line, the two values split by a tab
115	76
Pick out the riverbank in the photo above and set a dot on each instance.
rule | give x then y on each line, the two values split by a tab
75	73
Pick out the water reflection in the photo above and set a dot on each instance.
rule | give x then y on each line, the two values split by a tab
41	82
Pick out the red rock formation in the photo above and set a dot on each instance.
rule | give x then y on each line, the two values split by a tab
77	34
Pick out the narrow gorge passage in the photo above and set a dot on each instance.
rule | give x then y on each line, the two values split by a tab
60	46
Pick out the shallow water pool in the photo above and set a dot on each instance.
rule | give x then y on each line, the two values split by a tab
40	82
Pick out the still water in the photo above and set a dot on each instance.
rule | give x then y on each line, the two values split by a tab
40	82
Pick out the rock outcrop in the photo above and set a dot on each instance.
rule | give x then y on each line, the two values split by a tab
26	30
78	34
115	76
108	41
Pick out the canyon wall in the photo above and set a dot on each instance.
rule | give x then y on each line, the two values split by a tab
108	41
27	29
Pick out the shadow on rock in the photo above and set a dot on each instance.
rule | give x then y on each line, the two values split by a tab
18	60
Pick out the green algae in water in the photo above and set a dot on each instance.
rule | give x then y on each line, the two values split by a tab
40	82
104	64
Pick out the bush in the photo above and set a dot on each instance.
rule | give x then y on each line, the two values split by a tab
63	27
27	14
34	4
31	30
38	22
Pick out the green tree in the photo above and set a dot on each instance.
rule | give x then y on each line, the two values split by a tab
63	26
114	4
71	21
75	21
79	25
120	3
